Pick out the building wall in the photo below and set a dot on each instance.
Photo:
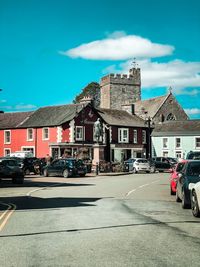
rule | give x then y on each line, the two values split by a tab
187	145
173	107
118	89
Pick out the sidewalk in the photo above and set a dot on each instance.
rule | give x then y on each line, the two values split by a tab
93	174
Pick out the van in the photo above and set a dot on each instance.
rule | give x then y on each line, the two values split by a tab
21	154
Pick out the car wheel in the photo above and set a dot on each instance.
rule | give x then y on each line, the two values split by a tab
65	174
177	197
195	205
82	175
134	170
171	191
27	172
46	173
184	203
147	171
153	170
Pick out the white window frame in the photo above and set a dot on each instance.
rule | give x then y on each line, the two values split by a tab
135	136
144	137
28	134
78	138
165	144
5	137
43	133
165	153
178	154
121	135
7	149
27	149
197	147
178	147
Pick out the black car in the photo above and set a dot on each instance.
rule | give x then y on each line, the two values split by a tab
193	155
160	164
27	164
189	174
65	167
9	168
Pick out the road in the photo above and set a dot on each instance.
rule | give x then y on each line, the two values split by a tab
128	220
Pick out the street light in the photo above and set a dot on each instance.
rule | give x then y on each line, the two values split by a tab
149	122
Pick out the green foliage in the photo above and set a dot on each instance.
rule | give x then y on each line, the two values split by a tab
91	90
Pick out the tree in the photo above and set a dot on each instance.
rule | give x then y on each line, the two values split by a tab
91	90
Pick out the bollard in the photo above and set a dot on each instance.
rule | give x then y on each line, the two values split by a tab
97	168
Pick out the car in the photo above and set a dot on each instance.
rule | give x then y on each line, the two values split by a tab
27	164
189	174
138	165
9	168
195	198
161	164
193	155
66	167
174	176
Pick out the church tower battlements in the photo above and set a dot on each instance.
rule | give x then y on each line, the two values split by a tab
120	89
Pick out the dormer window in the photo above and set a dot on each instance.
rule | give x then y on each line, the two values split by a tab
171	117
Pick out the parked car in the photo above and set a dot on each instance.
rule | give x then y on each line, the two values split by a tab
138	165
189	174
174	176
9	168
26	164
195	198
65	167
193	155
161	164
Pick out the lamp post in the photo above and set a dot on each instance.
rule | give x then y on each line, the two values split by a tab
150	124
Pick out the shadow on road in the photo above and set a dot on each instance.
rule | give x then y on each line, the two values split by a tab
31	203
32	183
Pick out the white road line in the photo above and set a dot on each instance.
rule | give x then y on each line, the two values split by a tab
141	186
43	188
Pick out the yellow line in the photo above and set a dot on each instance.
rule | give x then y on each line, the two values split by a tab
6	215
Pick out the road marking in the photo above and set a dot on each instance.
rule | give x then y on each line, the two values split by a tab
43	188
141	186
6	214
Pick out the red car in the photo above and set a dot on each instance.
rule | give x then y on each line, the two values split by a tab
174	175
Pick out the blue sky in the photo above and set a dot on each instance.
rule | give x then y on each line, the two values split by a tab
50	50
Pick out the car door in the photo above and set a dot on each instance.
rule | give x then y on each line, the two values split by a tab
53	167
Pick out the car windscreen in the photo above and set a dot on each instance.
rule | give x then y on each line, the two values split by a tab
180	167
193	169
142	161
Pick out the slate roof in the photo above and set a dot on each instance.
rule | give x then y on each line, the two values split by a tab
151	105
52	115
172	128
11	120
120	118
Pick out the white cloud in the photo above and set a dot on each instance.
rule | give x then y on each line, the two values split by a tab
119	46
192	111
177	74
23	106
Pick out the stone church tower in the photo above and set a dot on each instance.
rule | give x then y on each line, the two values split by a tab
118	90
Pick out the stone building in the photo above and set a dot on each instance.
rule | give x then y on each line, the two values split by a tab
118	89
159	109
122	91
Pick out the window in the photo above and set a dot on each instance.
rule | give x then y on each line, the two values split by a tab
28	149
135	136
79	133
178	142
7	152
197	142
171	117
178	154
123	135
165	142
165	154
29	134
144	137
7	137
45	133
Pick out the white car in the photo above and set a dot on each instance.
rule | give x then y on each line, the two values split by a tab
195	198
138	165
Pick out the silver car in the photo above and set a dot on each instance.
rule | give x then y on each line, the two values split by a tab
138	165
